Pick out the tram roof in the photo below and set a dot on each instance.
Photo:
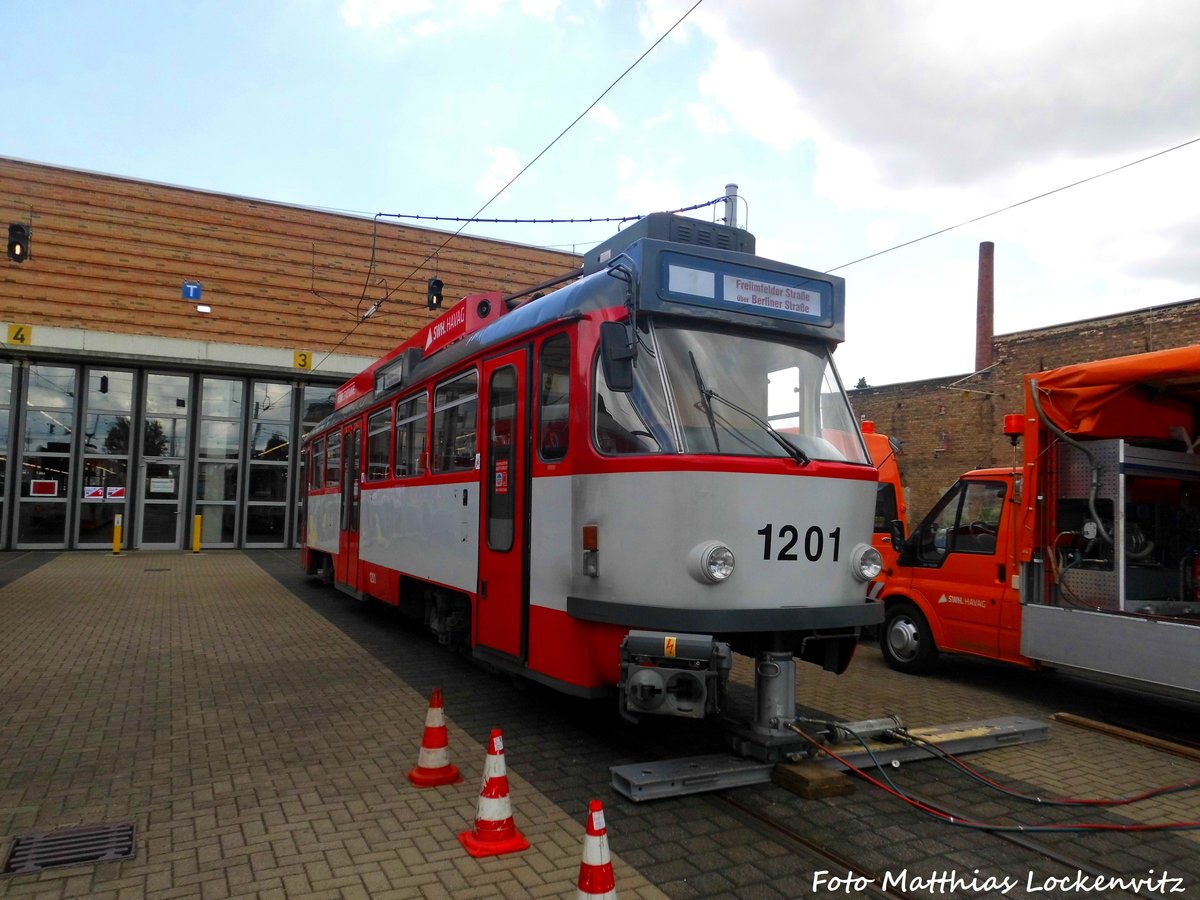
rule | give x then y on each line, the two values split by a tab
648	260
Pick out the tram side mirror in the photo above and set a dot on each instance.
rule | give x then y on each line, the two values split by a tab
617	353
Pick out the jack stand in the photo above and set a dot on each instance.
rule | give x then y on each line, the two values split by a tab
768	738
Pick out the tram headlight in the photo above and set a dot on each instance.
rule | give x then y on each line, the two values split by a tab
865	562
710	562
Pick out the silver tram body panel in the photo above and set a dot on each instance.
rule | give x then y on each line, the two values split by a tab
428	531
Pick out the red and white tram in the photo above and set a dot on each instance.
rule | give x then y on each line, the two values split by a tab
617	484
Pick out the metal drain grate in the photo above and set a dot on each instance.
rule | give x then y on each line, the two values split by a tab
70	847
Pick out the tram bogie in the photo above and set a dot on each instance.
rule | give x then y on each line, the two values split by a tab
614	486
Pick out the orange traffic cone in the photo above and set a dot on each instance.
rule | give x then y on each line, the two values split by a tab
433	762
596	871
494	831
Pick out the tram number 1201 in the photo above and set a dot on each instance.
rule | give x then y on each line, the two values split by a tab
815	542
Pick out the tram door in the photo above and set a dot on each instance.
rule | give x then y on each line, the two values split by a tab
351	478
503	607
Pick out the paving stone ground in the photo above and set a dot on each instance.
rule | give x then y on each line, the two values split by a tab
260	752
257	728
1073	762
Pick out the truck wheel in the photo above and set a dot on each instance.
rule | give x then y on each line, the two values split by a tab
907	642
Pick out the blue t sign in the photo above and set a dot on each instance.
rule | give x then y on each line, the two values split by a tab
191	290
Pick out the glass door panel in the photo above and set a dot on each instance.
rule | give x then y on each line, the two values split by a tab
270	448
160	503
46	441
107	418
219	461
163	468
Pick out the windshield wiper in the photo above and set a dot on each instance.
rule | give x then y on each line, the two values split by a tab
793	451
705	395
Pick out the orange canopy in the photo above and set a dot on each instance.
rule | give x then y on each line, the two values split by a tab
1143	396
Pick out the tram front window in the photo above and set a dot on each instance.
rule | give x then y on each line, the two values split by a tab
714	391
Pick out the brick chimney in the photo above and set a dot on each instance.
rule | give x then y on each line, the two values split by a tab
985	306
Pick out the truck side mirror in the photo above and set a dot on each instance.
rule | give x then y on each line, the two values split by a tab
896	527
617	351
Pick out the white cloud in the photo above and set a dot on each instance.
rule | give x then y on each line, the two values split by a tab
504	165
603	115
881	234
760	103
707	119
661	119
540	9
913	117
641	190
487	9
399	15
426	28
659	15
949	92
375	14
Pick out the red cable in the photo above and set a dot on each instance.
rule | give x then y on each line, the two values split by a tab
951	819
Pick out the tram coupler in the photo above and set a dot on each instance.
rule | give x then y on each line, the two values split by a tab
672	675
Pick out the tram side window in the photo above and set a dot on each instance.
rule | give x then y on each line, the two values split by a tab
554	397
379	439
333	460
454	423
316	469
410	435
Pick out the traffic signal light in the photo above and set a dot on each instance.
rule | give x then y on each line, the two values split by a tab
18	243
433	295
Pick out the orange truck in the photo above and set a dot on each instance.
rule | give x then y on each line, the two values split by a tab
1085	556
889	494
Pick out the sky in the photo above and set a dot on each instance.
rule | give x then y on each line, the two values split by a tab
850	127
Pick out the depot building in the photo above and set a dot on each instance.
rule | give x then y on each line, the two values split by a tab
165	349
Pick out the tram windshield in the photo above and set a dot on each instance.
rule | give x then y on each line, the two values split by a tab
703	390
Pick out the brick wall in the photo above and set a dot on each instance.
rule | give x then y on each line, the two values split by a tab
953	424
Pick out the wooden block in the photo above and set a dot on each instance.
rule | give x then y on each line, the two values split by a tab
811	780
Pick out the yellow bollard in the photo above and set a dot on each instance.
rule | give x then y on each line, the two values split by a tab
117	534
196	534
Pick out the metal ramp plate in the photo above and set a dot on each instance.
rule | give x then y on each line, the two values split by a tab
697	774
690	775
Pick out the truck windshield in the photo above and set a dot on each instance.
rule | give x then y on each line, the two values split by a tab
704	390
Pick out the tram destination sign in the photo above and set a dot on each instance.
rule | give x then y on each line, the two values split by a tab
718	284
770	295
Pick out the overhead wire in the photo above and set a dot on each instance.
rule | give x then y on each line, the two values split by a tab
470	219
466	220
1012	206
375	307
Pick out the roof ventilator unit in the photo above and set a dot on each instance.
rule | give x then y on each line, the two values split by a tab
669	227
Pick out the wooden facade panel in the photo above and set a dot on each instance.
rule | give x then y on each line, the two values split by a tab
111	254
288	228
